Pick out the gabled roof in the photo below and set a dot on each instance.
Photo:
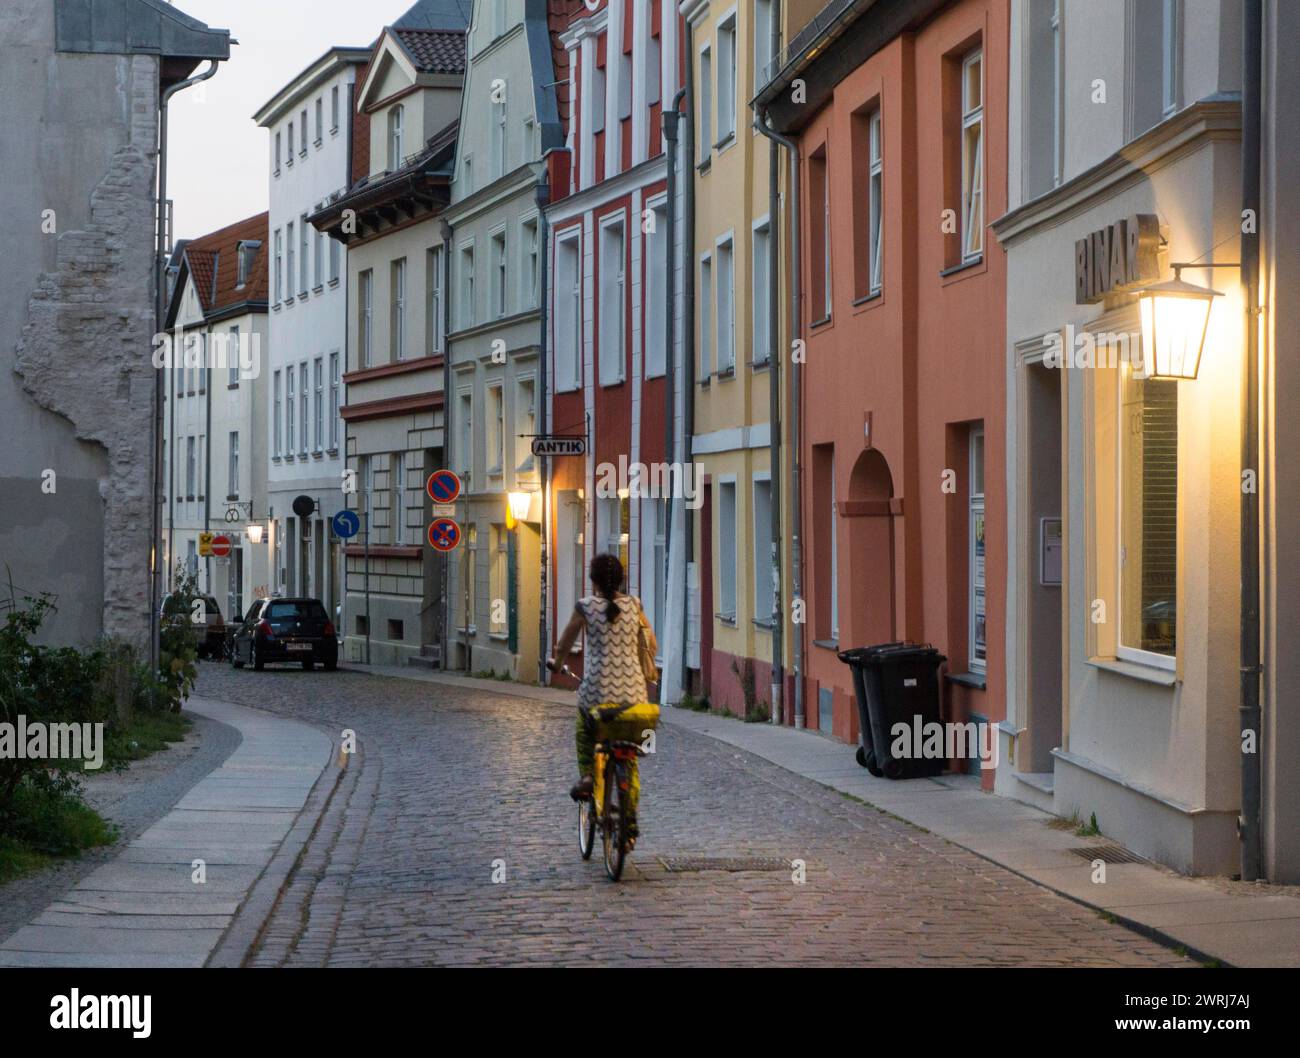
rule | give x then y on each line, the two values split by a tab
211	262
433	51
427	41
438	15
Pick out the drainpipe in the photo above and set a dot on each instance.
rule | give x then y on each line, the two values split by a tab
796	380
444	649
160	316
1251	670
543	196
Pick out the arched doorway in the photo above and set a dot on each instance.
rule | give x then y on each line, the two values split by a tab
870	511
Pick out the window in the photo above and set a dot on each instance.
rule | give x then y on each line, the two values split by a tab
614	516
291	276
706	104
834	533
612	302
625	81
397	324
365	316
279	266
876	193
302	149
232	468
396	630
656	513
303	391
289	158
496	412
760	301
727	78
532	260
763	38
598	86
467	173
467	286
706	317
232	357
978	645
396	120
275	414
1170	11
726	279
319	407
334	109
320	121
335	253
277	154
334	402
656	293
305	270
568	314
470	577
653	65
499	137
498	581
764	589
244	258
465	433
1148	519
435	324
288	412
1043	98
499	281
525	422
727	550
972	156
319	274
819	238
397	497
191	467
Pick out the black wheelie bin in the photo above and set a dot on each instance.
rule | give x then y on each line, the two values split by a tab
895	683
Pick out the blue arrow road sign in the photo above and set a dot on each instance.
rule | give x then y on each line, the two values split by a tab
346	524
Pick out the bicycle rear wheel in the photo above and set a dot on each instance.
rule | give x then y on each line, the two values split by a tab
614	821
586	827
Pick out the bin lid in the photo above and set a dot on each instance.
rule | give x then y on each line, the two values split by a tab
882	652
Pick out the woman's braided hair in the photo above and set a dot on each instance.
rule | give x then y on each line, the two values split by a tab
607	576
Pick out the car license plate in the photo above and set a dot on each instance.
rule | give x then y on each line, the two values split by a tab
296	647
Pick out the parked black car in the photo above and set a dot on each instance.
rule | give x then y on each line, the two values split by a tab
286	630
208	635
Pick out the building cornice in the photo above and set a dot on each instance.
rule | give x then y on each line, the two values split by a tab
400	367
333	62
585	27
391	406
604	191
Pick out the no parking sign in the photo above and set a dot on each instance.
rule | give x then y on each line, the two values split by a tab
444	534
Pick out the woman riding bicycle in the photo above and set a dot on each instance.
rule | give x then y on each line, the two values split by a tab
611	662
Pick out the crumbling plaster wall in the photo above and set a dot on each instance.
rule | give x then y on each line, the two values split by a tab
76	322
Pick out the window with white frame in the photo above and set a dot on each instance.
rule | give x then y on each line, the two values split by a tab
304	234
467	173
876	192
726	281
727	550
396	137
304	390
764	591
760	300
525	422
278	153
435	323
232	357
659	511
191	466
835	559
499	137
469	575
289	158
289	411
467	306
465	432
496	412
612	301
291	274
500	283
302	145
334	109
334	402
1044	102
1148	519
532	259
232	467
397	497
1170	55
275	414
319	276
972	155
706	317
613	524
320	121
365	317
335	254
279	266
978	645
653	63
656	292
706	104
318	407
727	78
498	581
568	313
397	329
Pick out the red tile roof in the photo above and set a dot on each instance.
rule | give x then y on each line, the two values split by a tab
433	51
213	261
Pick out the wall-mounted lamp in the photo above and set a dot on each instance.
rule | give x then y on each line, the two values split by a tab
517	504
1175	319
254	532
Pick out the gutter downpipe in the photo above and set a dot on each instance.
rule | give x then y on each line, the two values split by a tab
1251	669
160	317
543	197
796	380
448	404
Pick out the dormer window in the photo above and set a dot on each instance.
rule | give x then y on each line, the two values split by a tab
396	121
245	257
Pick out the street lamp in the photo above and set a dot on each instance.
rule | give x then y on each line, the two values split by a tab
517	504
254	532
1175	318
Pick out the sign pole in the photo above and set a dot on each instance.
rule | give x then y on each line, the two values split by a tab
367	565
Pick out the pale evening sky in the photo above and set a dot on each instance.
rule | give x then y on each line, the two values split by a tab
217	169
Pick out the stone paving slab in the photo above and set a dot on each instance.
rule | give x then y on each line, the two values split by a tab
143	908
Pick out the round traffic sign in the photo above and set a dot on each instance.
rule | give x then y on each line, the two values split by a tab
346	524
444	534
221	546
443	486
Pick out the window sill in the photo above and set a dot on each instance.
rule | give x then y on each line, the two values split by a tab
232	385
760	365
317	142
976	680
704	166
728	619
974	262
867	299
1136	671
319	288
726	374
764	623
827	644
819	323
705	382
333	283
499	637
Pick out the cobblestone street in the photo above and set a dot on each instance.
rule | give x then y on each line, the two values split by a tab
450	780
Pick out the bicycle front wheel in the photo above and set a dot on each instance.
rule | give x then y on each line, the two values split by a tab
614	819
586	827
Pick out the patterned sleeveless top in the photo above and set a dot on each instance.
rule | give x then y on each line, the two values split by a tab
611	663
